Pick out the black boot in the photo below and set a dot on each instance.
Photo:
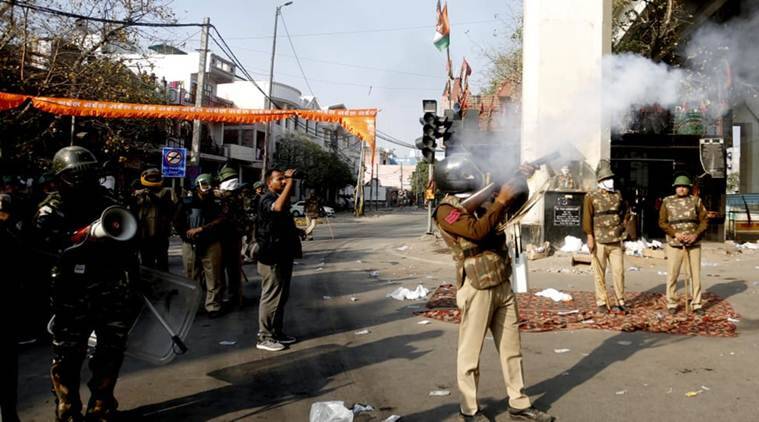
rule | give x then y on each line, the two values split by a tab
105	372
65	378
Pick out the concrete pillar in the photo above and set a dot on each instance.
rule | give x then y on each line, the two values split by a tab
564	43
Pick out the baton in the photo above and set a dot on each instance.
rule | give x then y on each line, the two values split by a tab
174	337
688	280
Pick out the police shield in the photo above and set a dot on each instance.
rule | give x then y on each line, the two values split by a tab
165	318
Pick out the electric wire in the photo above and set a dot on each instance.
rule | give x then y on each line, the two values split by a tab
297	60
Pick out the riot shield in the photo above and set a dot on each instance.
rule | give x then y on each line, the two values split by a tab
176	300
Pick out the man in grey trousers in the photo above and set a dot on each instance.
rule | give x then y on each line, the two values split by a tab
278	245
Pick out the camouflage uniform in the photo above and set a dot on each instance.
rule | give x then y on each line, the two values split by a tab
236	225
603	219
484	297
154	210
683	215
89	291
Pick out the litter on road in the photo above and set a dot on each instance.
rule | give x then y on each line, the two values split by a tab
439	393
330	411
402	293
393	418
661	272
554	295
621	392
403	248
573	311
354	299
693	393
624	342
733	320
705	388
561	350
359	408
228	342
374	274
633	269
362	332
424	322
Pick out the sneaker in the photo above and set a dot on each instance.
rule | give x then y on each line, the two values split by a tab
270	345
530	414
285	339
672	311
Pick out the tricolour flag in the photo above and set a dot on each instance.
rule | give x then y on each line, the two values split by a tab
442	29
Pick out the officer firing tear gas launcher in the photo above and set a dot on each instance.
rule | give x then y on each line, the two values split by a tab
95	282
483	269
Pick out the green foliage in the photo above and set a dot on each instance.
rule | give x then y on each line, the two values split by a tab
49	55
420	177
319	169
505	63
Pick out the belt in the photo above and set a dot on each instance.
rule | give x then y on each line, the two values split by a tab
609	212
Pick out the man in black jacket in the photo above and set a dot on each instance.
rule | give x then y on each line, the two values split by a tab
279	244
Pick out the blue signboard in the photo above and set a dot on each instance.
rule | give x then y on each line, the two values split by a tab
174	162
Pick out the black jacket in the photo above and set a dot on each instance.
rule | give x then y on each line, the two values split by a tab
277	237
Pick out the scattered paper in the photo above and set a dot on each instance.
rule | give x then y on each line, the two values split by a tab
624	342
747	245
358	261
374	274
554	295
588	321
354	299
669	391
403	248
359	408
620	392
633	269
319	269
393	418
705	388
403	293
661	272
439	393
709	264
228	342
561	350
574	311
693	393
424	322
733	320
362	332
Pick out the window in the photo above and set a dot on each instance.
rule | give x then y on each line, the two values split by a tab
247	137
231	136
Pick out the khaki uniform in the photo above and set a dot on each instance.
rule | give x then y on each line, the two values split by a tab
689	216
484	298
602	218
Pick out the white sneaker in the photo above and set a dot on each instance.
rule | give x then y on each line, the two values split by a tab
270	345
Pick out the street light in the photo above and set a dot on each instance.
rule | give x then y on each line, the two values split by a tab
271	83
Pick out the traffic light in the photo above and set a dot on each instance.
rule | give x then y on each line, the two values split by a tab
429	132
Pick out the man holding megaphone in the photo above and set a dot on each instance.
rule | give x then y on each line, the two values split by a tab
90	234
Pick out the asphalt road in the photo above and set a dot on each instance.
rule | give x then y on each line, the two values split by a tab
336	293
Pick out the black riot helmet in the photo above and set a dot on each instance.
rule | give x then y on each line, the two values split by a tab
457	173
75	166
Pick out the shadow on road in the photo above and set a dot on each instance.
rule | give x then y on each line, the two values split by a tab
270	383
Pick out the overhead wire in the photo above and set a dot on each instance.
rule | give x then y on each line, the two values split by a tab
297	60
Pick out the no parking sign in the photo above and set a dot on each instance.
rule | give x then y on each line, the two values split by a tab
174	162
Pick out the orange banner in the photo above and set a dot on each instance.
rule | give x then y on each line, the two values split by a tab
360	123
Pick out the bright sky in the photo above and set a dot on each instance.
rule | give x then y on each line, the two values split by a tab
361	53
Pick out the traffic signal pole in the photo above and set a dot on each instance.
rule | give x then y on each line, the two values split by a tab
430	169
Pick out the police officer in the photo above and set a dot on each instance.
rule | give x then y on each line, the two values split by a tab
484	294
684	220
9	261
154	206
235	226
603	224
198	220
92	289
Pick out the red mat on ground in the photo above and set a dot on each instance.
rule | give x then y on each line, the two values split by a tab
647	311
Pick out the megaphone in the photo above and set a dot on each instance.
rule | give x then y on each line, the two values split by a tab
115	223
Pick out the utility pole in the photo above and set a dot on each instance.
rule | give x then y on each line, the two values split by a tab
358	199
199	90
430	178
269	103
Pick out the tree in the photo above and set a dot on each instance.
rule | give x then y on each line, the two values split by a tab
420	179
651	28
51	55
318	169
506	63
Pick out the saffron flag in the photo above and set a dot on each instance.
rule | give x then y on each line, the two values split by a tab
443	29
